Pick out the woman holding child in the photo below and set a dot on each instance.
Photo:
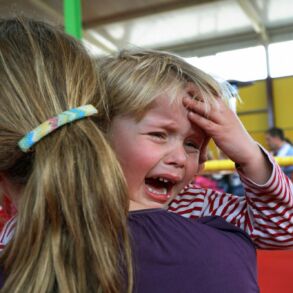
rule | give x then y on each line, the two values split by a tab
63	115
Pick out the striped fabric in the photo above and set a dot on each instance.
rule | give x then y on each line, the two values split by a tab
265	213
7	232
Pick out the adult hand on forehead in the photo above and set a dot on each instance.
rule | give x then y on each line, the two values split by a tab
224	127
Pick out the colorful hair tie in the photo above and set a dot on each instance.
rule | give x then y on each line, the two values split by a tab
53	123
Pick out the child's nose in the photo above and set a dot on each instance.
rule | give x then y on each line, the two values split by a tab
177	156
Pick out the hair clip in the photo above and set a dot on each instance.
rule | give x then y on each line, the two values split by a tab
54	123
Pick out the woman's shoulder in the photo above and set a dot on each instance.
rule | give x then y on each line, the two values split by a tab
163	222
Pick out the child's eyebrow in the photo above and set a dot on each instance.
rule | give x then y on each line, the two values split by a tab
173	126
164	123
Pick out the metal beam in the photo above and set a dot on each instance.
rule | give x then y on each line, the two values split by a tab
145	11
270	93
52	12
233	41
118	43
87	37
98	40
253	13
205	47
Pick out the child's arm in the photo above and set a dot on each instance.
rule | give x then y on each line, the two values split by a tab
265	212
222	125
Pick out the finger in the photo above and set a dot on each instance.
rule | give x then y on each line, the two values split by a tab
191	102
197	106
204	123
216	112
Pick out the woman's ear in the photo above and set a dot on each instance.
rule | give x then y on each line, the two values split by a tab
2	188
1	183
6	187
10	189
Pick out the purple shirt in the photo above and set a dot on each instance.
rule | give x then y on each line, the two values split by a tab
179	255
173	254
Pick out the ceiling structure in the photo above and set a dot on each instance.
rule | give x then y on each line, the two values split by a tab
187	27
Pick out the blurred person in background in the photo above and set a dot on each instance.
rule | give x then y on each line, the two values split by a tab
280	146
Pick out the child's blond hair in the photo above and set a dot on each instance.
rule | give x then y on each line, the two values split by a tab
134	78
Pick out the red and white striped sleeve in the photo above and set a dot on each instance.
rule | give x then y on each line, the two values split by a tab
265	212
7	232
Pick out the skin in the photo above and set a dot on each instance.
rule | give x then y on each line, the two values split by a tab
170	142
163	144
224	127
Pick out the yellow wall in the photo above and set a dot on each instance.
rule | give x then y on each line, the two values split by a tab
253	97
283	100
253	109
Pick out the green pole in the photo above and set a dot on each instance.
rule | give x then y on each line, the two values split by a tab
72	18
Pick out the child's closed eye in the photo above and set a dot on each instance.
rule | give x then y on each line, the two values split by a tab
158	135
192	147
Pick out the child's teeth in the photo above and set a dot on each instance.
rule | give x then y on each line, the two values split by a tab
163	179
162	191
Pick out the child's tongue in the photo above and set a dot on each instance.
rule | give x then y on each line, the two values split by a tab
157	190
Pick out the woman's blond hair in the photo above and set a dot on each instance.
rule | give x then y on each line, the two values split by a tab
134	78
71	234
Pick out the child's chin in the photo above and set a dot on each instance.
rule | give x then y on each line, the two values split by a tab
164	205
158	199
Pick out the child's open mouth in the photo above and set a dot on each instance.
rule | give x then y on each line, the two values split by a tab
159	188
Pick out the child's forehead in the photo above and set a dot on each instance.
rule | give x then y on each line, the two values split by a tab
175	94
172	91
